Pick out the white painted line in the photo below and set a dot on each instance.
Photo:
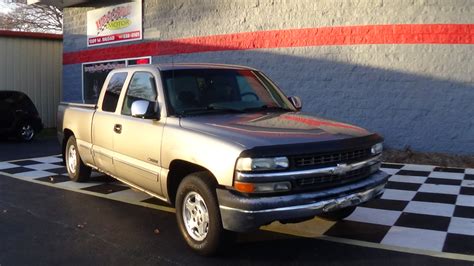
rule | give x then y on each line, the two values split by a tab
430	208
465	200
396	194
463	226
49	159
408	179
374	216
43	166
418	167
6	165
467	183
442	189
415	238
446	175
32	174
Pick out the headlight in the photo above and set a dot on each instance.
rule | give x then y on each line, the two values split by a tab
262	164
377	148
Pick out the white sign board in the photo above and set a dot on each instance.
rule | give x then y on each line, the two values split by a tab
119	23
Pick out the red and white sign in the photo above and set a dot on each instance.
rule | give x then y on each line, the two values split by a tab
119	23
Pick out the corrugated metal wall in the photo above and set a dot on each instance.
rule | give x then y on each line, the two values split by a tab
33	66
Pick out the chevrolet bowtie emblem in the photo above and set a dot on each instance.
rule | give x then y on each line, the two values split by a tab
342	169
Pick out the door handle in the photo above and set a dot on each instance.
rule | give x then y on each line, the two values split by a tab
118	128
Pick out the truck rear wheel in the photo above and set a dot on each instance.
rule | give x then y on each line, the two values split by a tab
198	215
338	214
76	169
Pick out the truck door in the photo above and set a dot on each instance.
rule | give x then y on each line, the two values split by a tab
137	147
105	121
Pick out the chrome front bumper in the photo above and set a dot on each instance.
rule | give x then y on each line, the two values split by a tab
240	213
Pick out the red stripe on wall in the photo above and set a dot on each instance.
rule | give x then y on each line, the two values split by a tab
345	35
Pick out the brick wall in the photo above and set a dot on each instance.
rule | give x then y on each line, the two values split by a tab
417	94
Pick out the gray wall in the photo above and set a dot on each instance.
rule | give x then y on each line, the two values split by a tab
33	66
415	95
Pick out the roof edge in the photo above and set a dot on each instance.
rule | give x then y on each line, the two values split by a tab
30	35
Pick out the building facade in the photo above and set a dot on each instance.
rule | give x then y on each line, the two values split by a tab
403	68
32	63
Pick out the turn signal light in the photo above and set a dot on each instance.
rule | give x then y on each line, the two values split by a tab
244	187
262	187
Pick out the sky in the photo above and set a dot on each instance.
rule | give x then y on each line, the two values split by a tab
4	7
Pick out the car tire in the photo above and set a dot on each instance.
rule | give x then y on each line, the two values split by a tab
25	131
76	169
338	215
198	215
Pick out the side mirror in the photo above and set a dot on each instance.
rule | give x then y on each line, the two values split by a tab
296	101
145	109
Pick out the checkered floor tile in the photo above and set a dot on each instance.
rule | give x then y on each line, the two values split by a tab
424	207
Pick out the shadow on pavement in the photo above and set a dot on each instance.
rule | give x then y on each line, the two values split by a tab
11	149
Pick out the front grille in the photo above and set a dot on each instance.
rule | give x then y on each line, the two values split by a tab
331	158
332	180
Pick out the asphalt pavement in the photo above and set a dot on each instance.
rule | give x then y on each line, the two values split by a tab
11	149
41	225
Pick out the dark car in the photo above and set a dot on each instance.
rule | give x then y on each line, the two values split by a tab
18	116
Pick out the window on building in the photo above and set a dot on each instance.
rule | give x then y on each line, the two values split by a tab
95	73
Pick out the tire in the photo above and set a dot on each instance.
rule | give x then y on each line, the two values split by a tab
25	131
76	169
338	214
197	192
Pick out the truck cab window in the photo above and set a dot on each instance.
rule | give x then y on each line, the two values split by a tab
141	87
112	94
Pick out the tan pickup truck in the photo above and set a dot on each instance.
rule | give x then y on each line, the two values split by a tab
222	144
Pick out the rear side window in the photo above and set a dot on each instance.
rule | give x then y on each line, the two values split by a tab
142	87
112	94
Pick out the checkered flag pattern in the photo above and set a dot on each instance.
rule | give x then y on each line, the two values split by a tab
424	207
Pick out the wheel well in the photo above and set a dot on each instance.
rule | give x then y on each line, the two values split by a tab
179	169
66	135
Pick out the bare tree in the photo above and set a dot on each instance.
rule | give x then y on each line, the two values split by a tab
33	18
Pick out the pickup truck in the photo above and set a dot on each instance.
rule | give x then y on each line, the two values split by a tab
224	146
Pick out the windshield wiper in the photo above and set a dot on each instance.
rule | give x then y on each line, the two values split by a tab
194	111
266	108
209	109
226	108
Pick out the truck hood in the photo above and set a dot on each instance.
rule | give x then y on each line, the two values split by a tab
251	130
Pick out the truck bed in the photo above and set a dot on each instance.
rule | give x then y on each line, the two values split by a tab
79	118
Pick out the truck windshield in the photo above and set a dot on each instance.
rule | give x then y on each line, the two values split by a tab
197	91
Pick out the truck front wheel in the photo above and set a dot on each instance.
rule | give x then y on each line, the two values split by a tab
197	212
76	169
